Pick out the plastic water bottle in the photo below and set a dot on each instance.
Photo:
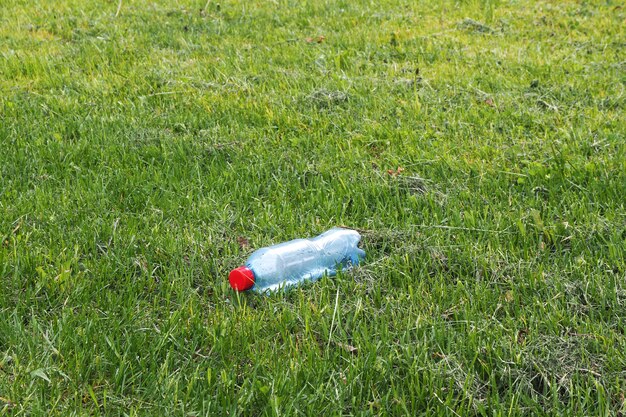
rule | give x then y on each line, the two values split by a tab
290	263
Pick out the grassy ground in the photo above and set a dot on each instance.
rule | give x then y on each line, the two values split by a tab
149	147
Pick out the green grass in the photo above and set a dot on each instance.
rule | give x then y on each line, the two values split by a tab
141	140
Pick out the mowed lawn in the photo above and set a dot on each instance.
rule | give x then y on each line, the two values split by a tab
148	147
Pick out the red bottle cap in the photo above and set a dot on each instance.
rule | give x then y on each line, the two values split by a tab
241	278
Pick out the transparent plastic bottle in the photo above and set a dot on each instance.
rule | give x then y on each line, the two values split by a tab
289	263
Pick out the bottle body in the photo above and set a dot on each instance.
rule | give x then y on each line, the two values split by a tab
298	260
